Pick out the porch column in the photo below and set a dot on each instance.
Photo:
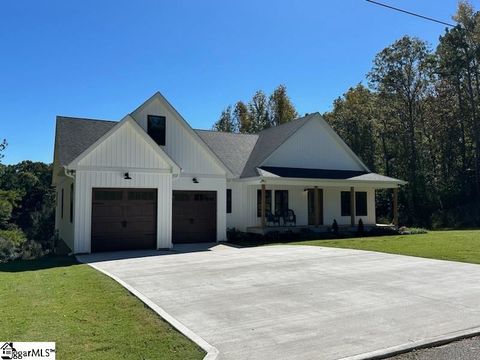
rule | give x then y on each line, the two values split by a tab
263	206
395	207
316	207
352	206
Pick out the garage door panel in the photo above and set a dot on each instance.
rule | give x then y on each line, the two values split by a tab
194	216
124	219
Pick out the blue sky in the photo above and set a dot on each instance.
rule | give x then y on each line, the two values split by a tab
101	59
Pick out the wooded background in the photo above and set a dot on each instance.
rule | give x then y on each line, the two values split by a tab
416	119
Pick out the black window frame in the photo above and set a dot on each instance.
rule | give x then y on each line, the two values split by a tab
71	203
158	135
229	201
361	203
281	201
268	202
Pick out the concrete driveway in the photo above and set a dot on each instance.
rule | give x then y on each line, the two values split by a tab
302	302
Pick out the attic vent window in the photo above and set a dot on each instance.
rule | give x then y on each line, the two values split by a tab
156	128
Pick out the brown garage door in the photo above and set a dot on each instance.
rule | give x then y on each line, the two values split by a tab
124	219
194	216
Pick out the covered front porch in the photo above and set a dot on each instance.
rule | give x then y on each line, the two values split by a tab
287	204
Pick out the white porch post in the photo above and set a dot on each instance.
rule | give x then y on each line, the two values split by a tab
316	206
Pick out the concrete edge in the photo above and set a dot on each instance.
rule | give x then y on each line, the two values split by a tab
416	345
212	352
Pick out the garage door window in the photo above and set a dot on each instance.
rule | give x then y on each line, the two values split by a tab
141	195
105	195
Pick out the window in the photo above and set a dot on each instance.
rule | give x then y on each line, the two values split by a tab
156	128
204	197
71	203
361	203
268	202
141	195
229	201
345	200
107	195
281	201
63	198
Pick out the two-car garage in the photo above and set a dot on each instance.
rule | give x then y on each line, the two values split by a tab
126	219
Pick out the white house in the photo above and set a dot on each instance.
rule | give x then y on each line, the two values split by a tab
150	180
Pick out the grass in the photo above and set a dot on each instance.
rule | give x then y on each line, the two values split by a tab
87	314
458	245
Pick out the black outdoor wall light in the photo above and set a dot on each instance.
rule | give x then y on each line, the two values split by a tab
195	180
126	176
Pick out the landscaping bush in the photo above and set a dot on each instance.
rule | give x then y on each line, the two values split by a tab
14	245
412	231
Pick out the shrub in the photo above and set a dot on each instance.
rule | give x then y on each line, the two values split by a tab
8	251
412	231
360	228
32	250
384	230
15	236
14	245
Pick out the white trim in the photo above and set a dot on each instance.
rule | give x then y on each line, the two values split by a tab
185	124
210	176
175	168
122	169
320	182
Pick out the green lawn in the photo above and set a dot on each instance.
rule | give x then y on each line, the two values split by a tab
458	245
87	314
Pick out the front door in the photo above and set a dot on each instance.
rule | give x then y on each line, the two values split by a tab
311	206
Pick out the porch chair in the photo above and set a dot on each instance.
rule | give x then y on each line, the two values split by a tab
289	217
272	219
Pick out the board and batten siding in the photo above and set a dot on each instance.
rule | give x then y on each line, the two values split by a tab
313	147
244	205
87	180
125	149
180	144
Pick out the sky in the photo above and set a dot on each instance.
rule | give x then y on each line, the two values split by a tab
101	59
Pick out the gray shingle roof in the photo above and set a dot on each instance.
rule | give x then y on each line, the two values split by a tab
232	149
241	153
74	135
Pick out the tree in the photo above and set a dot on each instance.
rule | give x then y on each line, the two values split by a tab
225	123
258	110
281	109
260	113
242	118
3	145
354	118
401	76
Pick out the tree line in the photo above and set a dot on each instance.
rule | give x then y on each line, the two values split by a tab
261	112
418	119
27	209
